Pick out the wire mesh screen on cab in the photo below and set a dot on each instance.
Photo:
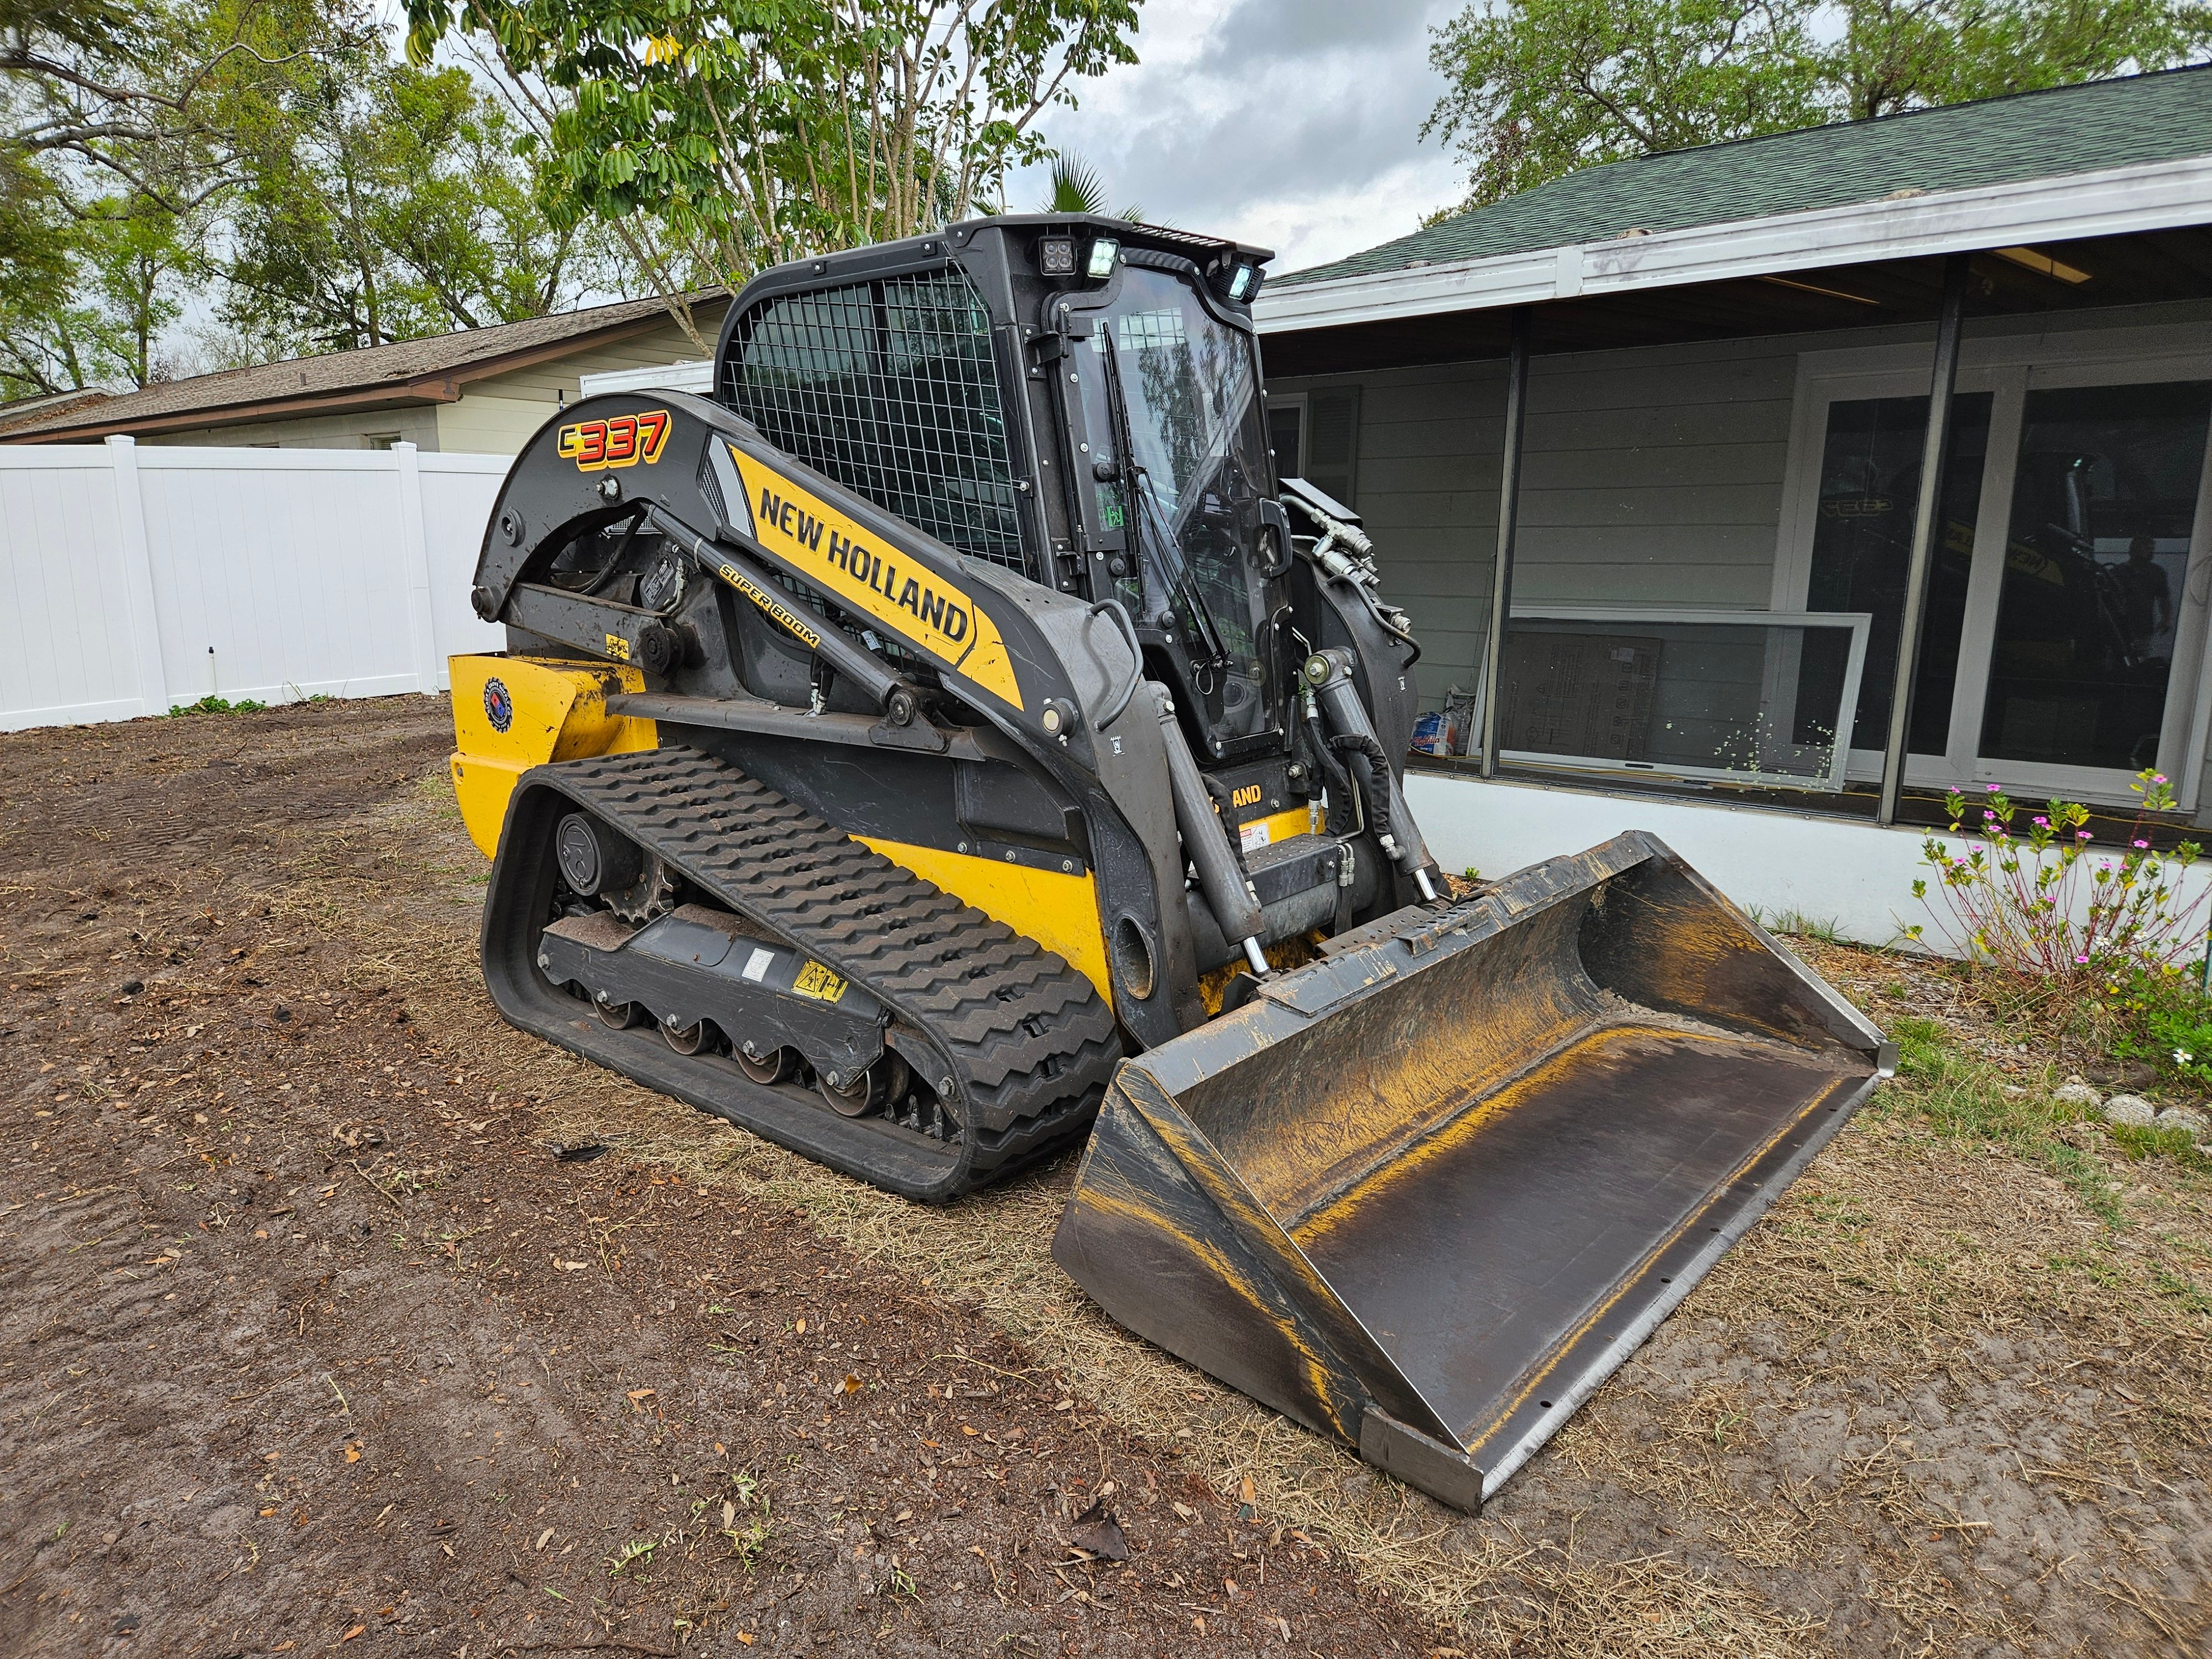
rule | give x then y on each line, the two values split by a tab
888	387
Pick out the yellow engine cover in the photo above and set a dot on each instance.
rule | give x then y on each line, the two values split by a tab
511	714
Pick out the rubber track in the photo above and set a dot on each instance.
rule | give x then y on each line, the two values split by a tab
1029	1039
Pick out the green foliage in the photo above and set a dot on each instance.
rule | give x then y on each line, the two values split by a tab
1077	188
1539	87
2042	901
388	203
755	131
211	704
268	154
2161	1015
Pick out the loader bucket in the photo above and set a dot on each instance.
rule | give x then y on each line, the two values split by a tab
1426	1193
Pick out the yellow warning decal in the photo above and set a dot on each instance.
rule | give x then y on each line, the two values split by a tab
777	611
817	982
914	603
618	648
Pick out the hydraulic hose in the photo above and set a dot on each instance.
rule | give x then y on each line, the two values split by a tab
1378	770
1328	675
1113	608
1339	779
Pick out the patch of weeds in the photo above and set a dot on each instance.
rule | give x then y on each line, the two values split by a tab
746	1521
2137	1143
901	1584
2096	1269
1805	927
2176	1288
211	704
1964	1099
638	1549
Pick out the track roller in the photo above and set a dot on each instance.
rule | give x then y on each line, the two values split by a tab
772	1066
694	1038
879	1085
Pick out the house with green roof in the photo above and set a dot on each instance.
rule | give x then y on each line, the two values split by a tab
1667	418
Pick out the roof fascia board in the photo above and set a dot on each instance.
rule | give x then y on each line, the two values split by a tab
2116	201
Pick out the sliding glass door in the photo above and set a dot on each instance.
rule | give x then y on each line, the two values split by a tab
2064	637
2104	498
1862	541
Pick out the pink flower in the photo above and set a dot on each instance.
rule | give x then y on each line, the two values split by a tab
2082	835
2158	777
1993	789
1987	813
2043	823
2082	960
2142	843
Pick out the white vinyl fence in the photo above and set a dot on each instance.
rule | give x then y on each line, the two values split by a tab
142	578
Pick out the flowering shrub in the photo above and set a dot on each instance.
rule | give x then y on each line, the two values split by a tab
2042	900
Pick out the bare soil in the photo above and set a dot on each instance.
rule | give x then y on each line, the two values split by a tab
1953	1396
310	1339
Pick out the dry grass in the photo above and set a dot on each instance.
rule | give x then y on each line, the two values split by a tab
1936	1402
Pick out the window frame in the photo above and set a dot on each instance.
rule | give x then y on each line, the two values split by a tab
2010	366
1779	671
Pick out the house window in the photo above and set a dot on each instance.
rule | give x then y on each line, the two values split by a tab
2064	636
382	440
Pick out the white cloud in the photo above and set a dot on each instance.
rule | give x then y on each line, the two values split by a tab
1292	124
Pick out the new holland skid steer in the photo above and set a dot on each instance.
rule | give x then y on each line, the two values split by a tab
953	740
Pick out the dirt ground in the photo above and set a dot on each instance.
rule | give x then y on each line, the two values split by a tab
313	1338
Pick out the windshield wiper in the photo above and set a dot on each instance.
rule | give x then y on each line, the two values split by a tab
1138	493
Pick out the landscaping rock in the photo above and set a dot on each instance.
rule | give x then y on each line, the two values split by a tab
2132	1110
2124	1074
2183	1118
2075	1092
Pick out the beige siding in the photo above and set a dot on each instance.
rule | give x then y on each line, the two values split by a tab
480	424
495	417
415	424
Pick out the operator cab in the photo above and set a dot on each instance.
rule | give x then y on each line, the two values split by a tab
1075	399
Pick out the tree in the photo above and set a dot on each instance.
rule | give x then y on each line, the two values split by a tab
1539	87
757	131
389	204
269	156
1077	188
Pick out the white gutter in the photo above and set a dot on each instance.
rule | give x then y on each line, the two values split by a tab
2113	202
696	375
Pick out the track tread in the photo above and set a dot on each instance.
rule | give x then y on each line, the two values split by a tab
1030	1042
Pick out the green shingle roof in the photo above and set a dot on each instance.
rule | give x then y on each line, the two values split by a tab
2032	135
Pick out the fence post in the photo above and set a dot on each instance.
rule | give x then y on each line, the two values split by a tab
139	604
415	569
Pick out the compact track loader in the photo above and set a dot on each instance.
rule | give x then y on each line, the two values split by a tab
952	740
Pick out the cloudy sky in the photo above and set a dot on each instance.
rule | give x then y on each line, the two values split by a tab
1293	123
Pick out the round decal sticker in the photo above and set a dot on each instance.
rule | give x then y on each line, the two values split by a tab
499	706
